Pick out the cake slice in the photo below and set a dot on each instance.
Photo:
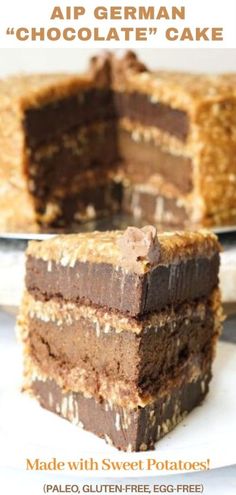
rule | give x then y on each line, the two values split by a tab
119	329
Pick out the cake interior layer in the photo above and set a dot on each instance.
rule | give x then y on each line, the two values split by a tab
101	198
141	160
75	145
82	151
154	205
140	359
67	170
87	106
106	285
75	159
129	430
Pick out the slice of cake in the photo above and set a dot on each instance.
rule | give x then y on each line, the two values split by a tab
160	146
119	329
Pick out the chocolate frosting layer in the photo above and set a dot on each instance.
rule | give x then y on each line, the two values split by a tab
102	284
101	104
134	430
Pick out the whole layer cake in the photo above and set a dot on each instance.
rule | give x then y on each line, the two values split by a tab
119	329
160	146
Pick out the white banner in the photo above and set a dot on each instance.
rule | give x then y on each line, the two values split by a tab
118	24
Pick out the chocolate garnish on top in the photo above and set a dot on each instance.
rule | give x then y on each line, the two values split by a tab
139	245
100	69
109	68
123	63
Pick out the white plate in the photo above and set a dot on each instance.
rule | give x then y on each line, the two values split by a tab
28	431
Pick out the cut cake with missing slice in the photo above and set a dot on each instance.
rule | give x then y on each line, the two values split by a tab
160	146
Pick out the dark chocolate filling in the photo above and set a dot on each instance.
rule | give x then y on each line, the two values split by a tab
138	107
83	108
101	284
135	430
52	119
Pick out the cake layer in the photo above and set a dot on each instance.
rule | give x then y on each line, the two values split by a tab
161	206
140	107
47	162
141	160
130	430
93	200
46	121
120	165
67	342
85	191
41	123
119	271
103	285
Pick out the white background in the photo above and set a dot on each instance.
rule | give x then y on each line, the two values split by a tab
75	60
